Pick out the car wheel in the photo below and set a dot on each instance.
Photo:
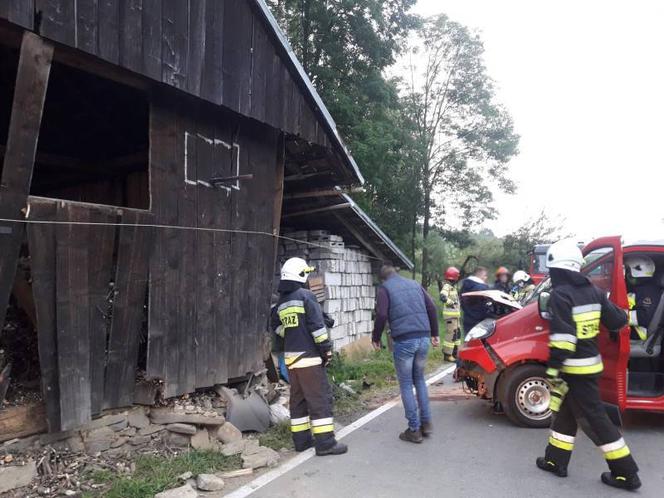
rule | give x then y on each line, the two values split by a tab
526	396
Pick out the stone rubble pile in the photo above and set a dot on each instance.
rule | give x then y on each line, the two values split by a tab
350	293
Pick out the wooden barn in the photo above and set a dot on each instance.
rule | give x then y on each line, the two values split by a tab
146	146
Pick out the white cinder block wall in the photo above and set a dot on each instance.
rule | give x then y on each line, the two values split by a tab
348	277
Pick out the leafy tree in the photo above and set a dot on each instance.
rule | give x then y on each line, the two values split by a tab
345	46
464	137
539	230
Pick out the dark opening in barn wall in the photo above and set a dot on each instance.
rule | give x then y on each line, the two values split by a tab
8	65
94	141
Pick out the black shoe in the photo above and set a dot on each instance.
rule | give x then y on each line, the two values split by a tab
630	483
427	429
337	449
411	436
552	467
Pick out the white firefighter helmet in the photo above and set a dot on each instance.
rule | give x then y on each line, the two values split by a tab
296	270
566	255
520	277
640	266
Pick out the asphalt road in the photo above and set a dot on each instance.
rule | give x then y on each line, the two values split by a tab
472	454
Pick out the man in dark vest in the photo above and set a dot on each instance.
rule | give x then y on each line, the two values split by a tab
413	324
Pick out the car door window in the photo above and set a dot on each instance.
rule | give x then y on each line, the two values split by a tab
599	268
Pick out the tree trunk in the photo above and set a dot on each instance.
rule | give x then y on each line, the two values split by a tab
413	236
425	234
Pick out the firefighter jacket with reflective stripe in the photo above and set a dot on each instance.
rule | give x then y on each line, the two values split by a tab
298	318
643	300
577	309
449	295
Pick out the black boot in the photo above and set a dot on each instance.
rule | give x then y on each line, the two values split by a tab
550	466
411	436
337	449
630	483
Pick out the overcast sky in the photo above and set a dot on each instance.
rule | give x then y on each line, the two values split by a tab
584	81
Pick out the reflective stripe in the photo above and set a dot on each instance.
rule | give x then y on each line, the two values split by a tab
291	357
322	421
582	362
584	308
563	437
292	302
322	429
280	331
616	445
321	338
451	314
634	318
563	337
631	300
319	332
614	451
457	342
551	372
301	427
301	420
642	332
569	346
290	310
561	444
448	344
305	362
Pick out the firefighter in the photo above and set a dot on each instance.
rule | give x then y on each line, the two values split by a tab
502	282
577	308
523	285
449	296
298	318
643	296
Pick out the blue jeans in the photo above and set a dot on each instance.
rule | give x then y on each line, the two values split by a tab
410	358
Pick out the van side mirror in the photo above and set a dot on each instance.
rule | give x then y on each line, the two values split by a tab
543	305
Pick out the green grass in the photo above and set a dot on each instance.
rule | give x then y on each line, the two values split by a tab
277	437
155	473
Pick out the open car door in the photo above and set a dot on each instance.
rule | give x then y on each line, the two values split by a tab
604	267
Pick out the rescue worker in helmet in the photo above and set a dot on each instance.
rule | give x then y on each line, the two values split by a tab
298	318
523	285
449	296
502	282
643	294
577	309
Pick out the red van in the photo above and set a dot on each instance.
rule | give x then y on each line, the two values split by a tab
504	360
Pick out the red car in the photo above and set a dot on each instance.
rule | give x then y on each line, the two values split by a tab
504	360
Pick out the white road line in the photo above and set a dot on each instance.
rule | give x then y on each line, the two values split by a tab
268	477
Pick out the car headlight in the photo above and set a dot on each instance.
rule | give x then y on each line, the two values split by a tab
482	330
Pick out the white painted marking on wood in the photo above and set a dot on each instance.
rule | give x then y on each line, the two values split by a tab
294	462
214	142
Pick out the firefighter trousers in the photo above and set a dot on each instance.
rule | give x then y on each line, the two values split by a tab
582	406
311	408
452	339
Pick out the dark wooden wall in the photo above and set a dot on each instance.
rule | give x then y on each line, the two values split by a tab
88	348
219	50
209	291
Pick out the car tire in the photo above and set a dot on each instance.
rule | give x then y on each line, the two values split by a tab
525	396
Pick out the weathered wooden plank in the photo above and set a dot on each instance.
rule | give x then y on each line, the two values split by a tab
238	25
131	278
274	92
86	26
27	108
19	12
73	315
41	245
261	71
58	20
162	151
109	30
101	246
212	71
152	38
22	421
225	123
187	277
197	45
175	43
131	34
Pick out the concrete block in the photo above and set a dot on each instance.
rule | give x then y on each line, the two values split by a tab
332	278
